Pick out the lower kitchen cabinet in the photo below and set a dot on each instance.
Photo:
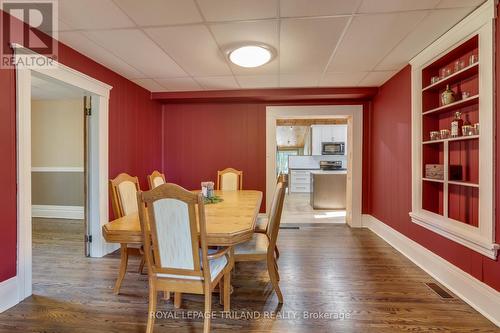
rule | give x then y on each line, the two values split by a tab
300	181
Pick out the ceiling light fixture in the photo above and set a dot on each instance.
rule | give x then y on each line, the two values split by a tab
250	56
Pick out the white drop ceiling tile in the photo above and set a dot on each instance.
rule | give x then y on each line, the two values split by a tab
299	8
386	6
230	10
258	81
179	84
376	79
346	79
62	26
299	80
431	28
136	49
149	84
460	3
193	48
93	14
228	35
80	42
218	82
369	39
307	44
161	12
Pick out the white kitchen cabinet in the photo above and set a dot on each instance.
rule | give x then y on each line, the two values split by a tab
300	181
316	140
327	133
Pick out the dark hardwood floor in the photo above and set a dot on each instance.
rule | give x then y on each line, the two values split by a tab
325	269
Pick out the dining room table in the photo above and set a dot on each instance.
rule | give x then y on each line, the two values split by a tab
228	222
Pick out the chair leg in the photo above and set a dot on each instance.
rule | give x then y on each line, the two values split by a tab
277	252
227	291
277	270
141	265
273	275
123	267
221	291
152	307
208	310
177	300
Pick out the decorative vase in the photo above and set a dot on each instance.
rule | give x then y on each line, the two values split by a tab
448	96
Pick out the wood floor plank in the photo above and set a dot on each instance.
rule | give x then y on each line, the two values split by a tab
324	268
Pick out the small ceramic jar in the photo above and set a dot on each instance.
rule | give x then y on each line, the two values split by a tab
445	133
467	130
435	135
476	128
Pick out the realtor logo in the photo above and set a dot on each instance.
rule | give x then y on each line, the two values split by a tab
32	25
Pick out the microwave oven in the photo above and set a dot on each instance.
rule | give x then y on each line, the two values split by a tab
332	148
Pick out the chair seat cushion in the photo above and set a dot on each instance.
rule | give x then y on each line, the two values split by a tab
216	266
258	245
261	224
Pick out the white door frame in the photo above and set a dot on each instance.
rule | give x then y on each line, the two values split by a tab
353	112
98	156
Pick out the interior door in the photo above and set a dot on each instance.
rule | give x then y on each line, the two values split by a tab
87	112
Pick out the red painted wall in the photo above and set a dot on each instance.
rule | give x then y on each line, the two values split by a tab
200	139
390	179
134	140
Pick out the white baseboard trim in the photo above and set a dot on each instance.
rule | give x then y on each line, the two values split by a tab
9	293
58	212
477	294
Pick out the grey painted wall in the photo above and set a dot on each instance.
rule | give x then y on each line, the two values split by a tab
57	188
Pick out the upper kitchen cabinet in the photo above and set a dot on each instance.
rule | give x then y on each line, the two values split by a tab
327	133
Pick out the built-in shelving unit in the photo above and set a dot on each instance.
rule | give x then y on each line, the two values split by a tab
459	203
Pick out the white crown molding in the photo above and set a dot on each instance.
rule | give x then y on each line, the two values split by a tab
477	294
58	212
57	169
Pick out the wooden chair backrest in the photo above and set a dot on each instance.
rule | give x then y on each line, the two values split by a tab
229	179
123	191
170	228
275	212
155	179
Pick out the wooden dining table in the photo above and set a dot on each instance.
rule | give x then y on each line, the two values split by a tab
228	223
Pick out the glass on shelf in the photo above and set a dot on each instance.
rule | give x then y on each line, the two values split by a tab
435	135
472	59
444	133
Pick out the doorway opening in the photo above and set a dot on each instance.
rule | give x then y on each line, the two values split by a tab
312	154
96	205
349	116
59	176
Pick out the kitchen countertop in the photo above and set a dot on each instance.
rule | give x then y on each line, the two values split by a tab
331	172
304	169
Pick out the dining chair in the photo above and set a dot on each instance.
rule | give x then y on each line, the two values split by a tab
155	179
263	219
262	245
229	179
123	190
176	249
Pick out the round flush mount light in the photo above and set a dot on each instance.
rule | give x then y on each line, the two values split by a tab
250	56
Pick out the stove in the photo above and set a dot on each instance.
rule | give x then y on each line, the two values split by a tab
330	165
